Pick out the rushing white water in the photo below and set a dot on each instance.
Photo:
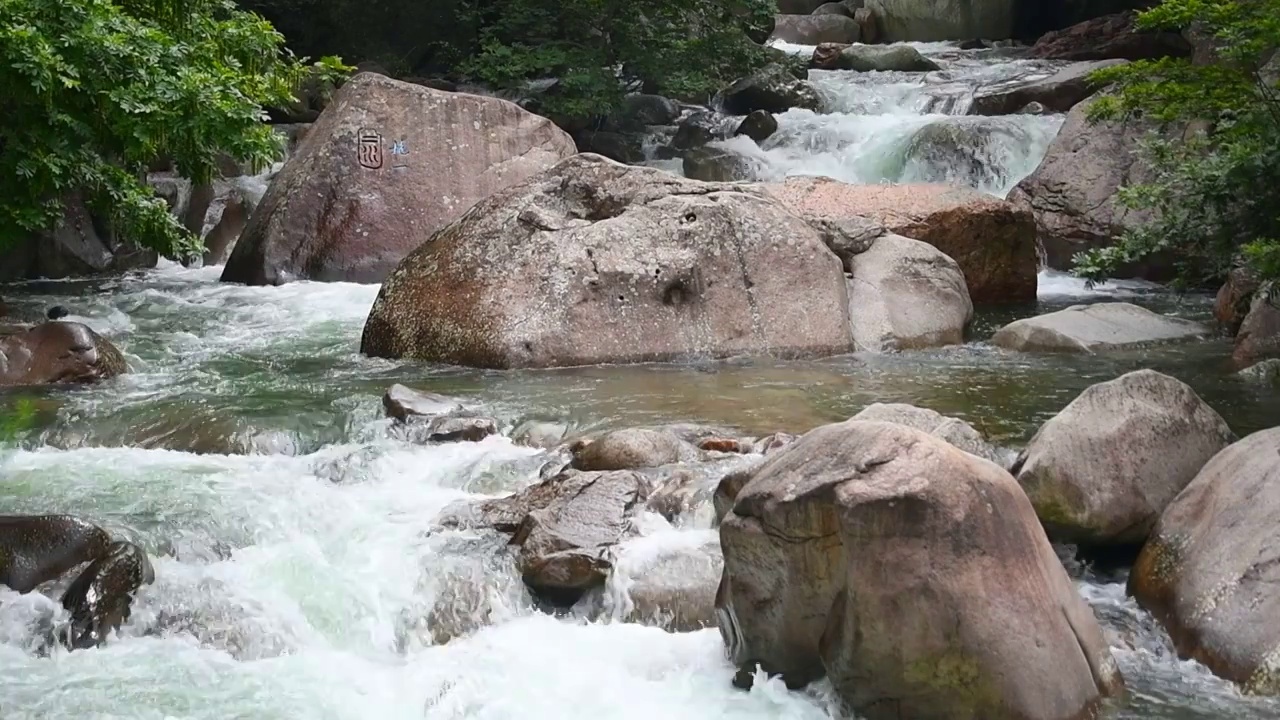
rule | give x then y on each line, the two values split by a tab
907	127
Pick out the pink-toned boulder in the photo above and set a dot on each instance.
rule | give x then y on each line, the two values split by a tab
992	241
387	164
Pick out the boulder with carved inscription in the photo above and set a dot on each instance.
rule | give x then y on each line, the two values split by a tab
386	165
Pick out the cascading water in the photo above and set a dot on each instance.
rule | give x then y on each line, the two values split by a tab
297	575
908	127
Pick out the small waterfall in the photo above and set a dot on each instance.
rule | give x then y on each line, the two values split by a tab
908	127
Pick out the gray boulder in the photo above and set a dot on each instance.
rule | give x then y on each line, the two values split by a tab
1059	92
883	58
1095	328
597	262
1073	193
1101	471
906	294
772	88
1208	573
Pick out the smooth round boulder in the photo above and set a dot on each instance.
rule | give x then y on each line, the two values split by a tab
101	597
905	294
58	352
911	574
1259	334
597	262
35	549
1209	572
630	449
1100	472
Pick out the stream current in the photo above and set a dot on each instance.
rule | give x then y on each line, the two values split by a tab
248	453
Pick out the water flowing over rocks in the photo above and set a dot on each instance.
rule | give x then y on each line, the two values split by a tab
1073	192
1102	470
1059	92
663	585
906	294
387	164
431	418
538	276
955	431
992	241
1095	328
58	352
842	560
1209	571
1110	37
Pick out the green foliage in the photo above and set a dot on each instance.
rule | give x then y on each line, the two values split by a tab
1215	196
599	49
95	89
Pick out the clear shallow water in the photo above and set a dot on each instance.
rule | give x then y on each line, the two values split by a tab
291	575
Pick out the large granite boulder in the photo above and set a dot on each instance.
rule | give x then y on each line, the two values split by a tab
1095	328
905	294
992	241
815	29
597	262
1209	572
81	245
1073	193
1110	37
1259	335
931	20
58	352
1058	92
387	165
870	553
1101	471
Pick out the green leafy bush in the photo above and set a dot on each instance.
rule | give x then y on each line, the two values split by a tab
1216	191
96	89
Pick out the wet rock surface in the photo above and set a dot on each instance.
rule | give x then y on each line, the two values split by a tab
841	561
58	352
1102	470
701	275
1209	571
